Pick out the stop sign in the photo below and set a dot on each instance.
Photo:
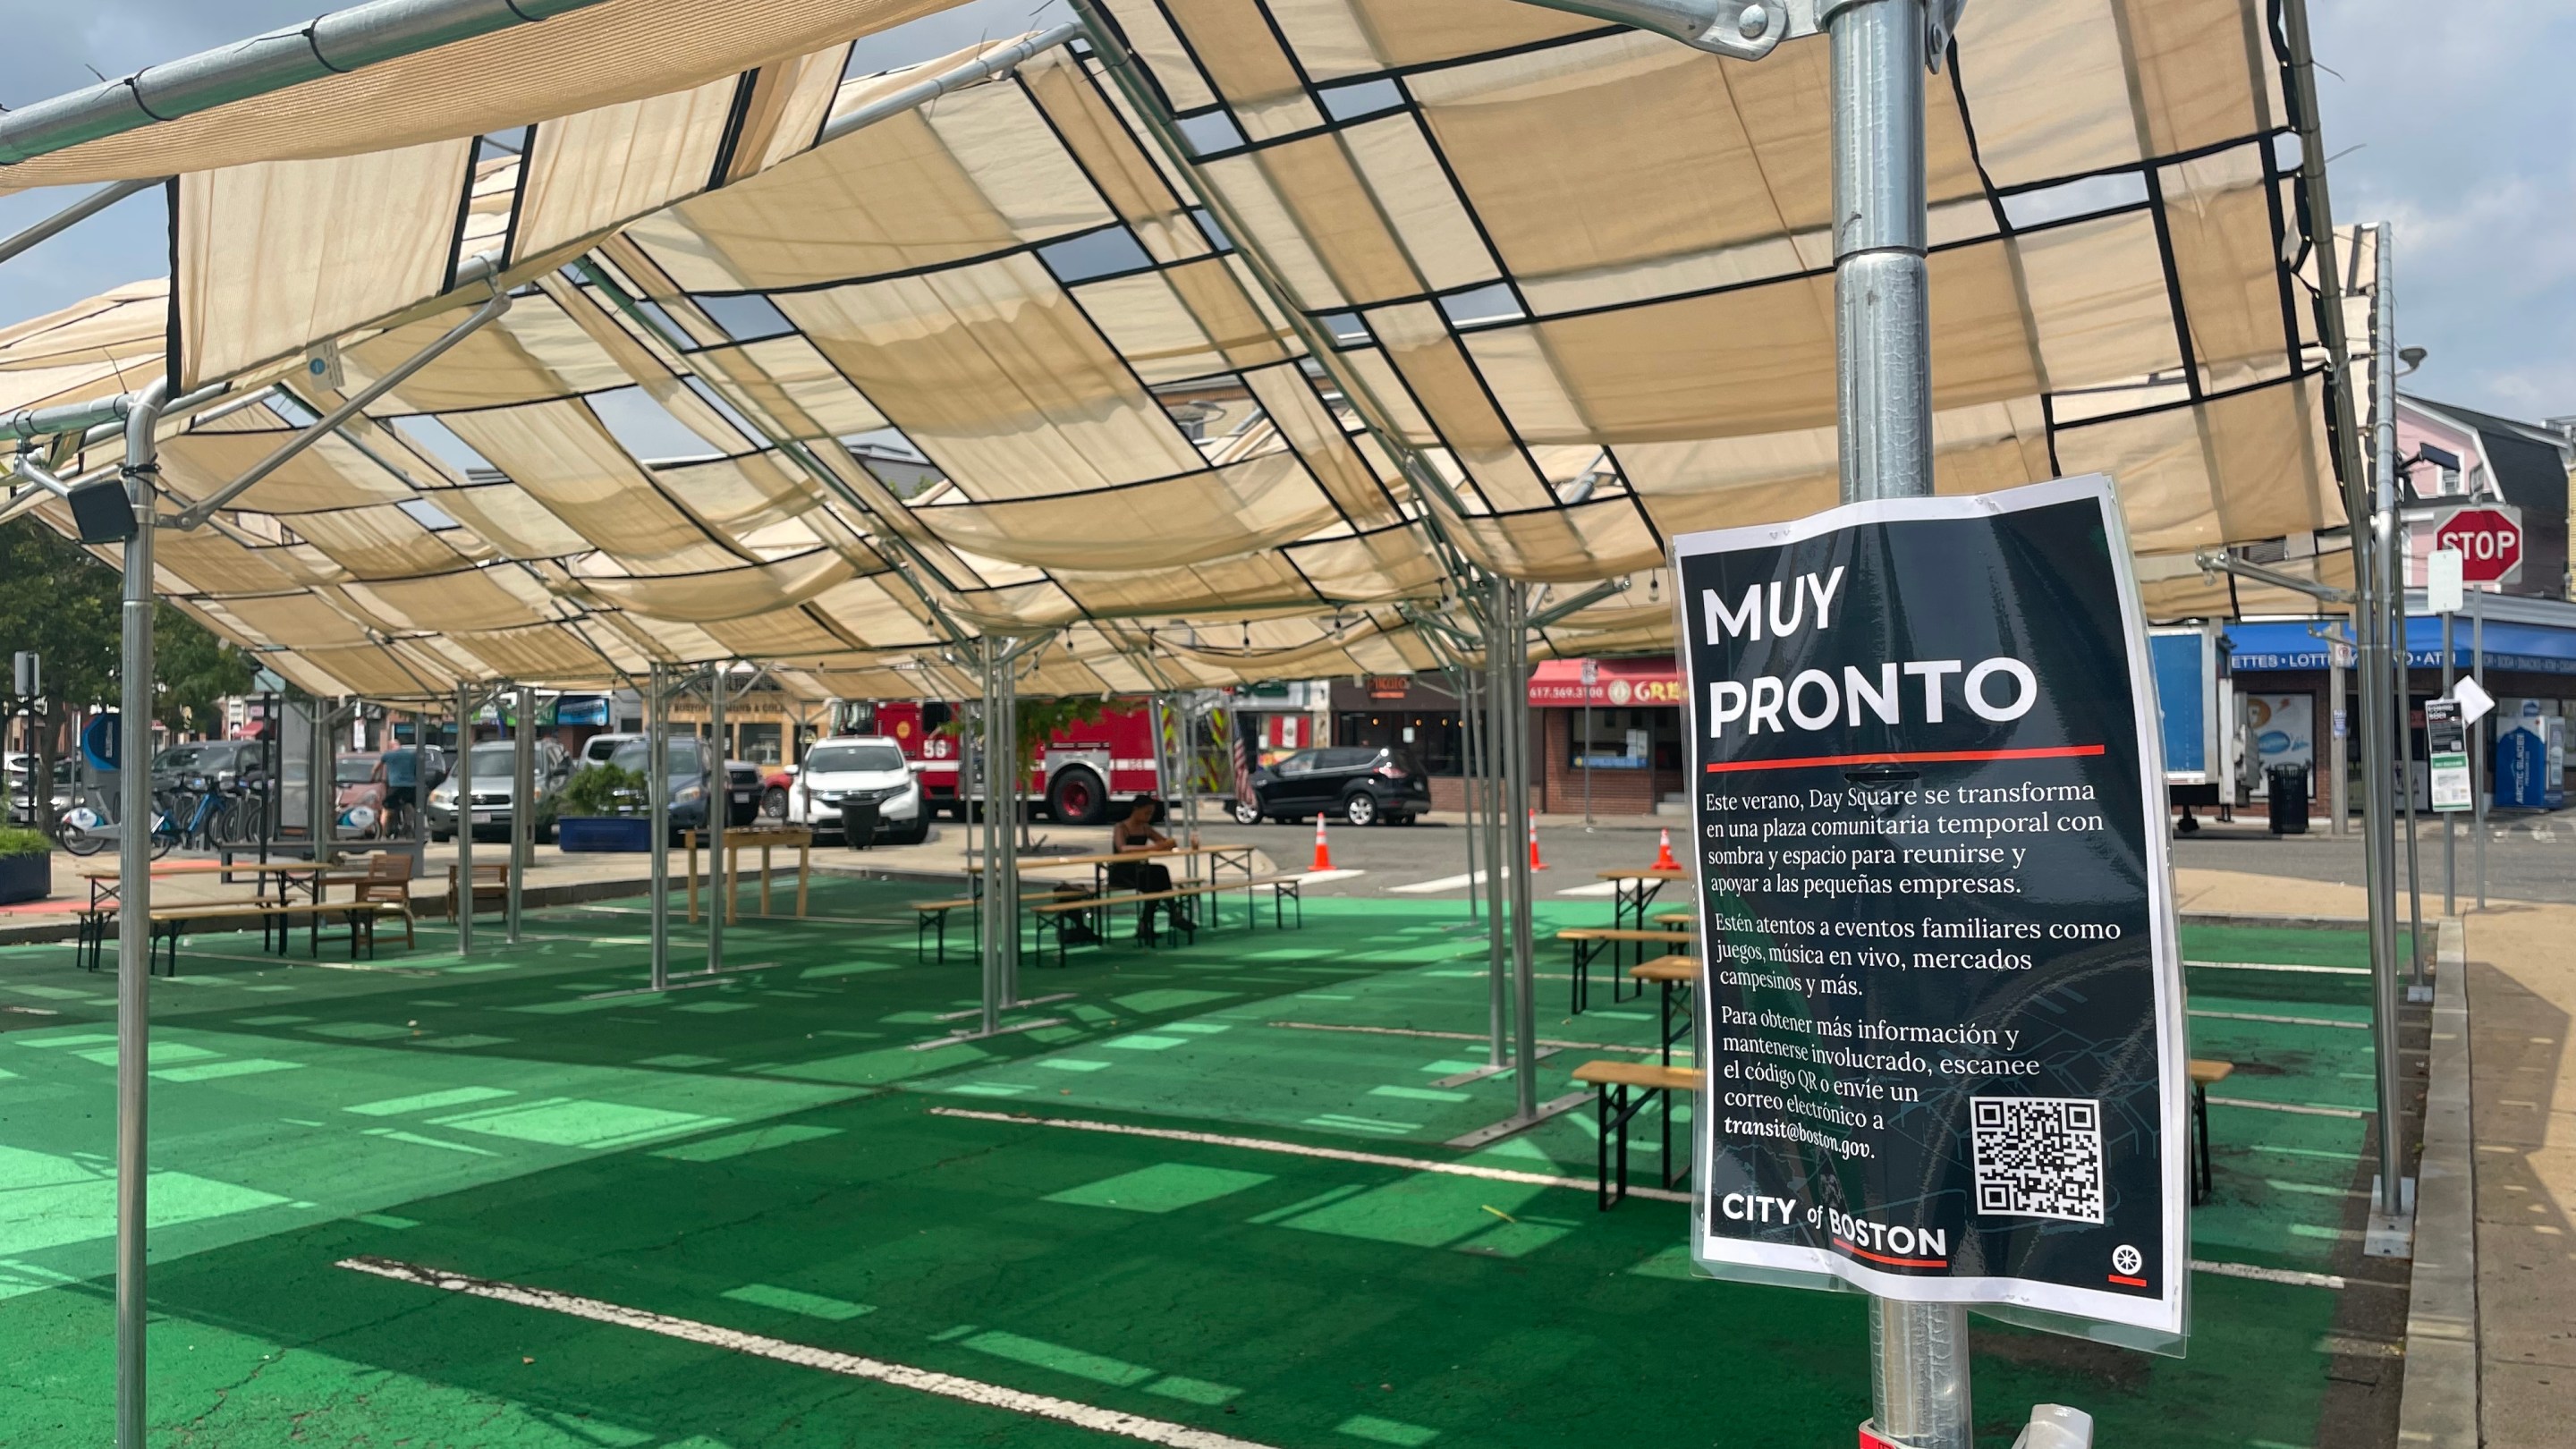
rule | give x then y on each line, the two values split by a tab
2489	540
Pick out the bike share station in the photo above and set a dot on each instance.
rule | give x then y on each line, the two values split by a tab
1926	1034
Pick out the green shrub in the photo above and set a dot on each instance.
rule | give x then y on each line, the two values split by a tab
14	841
606	790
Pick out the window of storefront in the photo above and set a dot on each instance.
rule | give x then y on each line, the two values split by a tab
1634	739
1433	738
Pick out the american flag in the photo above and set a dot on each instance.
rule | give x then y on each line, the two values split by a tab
1242	771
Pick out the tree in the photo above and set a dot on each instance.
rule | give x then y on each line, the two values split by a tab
61	601
1039	719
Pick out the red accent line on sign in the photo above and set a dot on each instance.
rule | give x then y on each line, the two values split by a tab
1910	757
2128	1282
1848	1245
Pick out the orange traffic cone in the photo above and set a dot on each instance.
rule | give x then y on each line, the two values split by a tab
1535	862
1323	852
1664	855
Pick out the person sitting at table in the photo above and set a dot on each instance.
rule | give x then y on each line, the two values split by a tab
1135	835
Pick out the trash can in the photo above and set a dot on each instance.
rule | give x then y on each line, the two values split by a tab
858	822
2289	791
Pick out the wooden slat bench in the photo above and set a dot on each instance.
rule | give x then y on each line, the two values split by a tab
931	918
277	921
2205	1074
1590	942
1675	975
1623	1088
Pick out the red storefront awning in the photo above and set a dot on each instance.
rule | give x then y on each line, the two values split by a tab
1617	683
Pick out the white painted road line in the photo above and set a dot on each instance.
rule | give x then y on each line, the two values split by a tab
2282	1020
1602	888
2297	1107
1299	1149
2277	966
1005	1029
2291	1276
902	1376
1326	877
1445	883
1545	1041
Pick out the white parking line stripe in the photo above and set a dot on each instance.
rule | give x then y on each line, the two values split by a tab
2300	1108
1299	1149
902	1376
2282	1020
2279	966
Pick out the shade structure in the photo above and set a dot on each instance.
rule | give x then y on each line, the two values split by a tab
1237	367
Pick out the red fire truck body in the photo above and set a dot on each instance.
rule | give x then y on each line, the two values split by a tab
1079	773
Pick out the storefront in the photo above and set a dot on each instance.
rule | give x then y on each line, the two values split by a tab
1610	732
2283	715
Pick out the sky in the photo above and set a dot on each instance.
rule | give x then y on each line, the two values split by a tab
2453	123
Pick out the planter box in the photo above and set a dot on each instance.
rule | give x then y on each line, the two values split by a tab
26	878
604	834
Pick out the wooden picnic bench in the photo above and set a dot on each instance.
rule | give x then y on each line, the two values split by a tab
1061	913
1623	1089
277	921
1590	942
1672	974
2205	1073
931	917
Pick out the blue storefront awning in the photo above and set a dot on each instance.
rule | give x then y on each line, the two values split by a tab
2301	644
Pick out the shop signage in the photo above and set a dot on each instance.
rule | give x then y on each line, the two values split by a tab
1612	684
1943	1000
1389	686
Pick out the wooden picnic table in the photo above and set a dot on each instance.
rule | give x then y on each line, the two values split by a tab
768	838
1633	891
106	887
1218	857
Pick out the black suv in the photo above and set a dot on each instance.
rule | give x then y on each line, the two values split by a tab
1361	784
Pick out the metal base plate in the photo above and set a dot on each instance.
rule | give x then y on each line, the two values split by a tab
1497	1131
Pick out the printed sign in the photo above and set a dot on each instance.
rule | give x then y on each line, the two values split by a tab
1942	999
2446	750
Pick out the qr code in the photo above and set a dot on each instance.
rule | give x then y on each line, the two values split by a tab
2038	1157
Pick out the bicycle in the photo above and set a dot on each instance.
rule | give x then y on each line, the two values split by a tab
90	827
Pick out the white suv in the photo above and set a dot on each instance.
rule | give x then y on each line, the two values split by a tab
867	766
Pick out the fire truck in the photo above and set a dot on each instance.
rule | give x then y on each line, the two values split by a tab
1078	773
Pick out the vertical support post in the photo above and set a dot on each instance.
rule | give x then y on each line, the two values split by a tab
523	808
1588	748
319	794
1883	365
657	795
2380	714
996	840
1005	866
719	788
1470	775
462	901
134	912
2450	836
1509	642
2338	754
1498	911
2416	945
2478	781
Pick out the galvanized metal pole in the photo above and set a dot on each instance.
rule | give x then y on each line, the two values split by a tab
994	840
134	913
2405	664
523	807
1512	613
461	900
1469	702
719	797
1498	873
1883	365
2450	837
1005	866
657	795
2338	753
2477	737
2381	712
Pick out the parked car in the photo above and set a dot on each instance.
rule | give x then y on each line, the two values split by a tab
1361	784
871	767
688	780
493	765
378	791
213	759
16	783
600	749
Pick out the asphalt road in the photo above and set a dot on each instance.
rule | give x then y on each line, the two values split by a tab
2529	857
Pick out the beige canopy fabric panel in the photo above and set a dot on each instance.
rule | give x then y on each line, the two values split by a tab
622	50
108	344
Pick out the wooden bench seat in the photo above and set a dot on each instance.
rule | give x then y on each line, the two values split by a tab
1623	1089
1590	942
1062	912
2205	1073
1682	969
931	918
277	919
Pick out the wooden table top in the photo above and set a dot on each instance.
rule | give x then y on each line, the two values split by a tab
1113	857
1650	873
216	867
